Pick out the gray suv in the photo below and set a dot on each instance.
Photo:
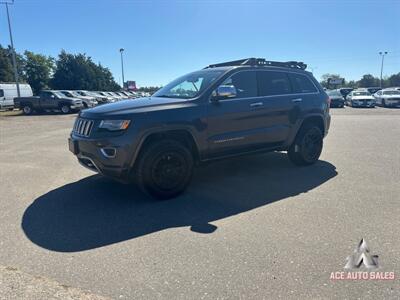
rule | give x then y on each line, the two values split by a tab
226	109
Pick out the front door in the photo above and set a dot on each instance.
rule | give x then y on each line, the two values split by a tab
238	123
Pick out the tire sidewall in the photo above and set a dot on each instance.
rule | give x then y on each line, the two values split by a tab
67	111
145	178
27	109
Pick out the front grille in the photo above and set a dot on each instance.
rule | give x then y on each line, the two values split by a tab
82	127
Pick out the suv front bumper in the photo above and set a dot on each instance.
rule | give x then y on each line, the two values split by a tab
108	158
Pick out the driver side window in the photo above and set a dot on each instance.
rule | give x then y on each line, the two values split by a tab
244	82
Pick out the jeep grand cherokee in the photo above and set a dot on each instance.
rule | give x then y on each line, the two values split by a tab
232	108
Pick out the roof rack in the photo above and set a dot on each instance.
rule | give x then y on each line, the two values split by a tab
260	62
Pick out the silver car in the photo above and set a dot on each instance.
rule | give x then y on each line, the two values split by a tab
388	98
360	98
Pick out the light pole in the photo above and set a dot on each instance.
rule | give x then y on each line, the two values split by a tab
383	57
122	67
12	46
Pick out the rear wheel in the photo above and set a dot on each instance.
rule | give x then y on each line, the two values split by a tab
27	109
164	169
307	146
65	109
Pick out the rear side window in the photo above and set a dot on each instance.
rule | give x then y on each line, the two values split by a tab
273	83
301	84
245	84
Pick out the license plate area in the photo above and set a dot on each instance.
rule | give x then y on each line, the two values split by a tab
73	146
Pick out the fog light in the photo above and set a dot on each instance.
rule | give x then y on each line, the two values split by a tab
109	152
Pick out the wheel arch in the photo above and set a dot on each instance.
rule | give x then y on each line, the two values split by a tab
182	135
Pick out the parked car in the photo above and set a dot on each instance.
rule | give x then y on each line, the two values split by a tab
88	101
388	98
8	91
360	98
107	96
345	91
99	98
373	90
126	94
226	109
48	100
337	99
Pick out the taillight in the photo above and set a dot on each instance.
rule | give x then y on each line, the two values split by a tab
328	102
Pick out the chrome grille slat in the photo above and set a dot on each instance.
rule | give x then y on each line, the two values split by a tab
82	127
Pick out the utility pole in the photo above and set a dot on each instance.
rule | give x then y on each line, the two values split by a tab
122	67
383	57
14	60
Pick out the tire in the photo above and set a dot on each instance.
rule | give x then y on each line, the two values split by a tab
85	106
307	146
383	103
65	109
164	169
27	109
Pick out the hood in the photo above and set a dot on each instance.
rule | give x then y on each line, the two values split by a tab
368	97
133	106
72	99
390	96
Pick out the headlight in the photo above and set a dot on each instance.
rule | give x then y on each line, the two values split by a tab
114	125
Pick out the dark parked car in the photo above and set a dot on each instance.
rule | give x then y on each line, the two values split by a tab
48	100
373	90
233	108
345	91
388	98
337	99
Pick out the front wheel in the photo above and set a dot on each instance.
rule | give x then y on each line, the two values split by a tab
307	146
27	109
65	109
164	169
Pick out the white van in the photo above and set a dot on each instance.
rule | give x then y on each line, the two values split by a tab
8	91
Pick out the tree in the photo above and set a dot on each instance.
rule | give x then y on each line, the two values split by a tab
393	80
368	80
6	68
79	72
38	69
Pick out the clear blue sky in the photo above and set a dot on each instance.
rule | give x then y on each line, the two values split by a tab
165	39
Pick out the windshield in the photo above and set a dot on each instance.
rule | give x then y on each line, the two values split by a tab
391	92
74	94
59	94
361	94
334	94
190	85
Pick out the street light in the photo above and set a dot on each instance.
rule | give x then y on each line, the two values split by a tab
383	56
12	46
122	66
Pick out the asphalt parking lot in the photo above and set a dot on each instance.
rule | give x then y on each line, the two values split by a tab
250	227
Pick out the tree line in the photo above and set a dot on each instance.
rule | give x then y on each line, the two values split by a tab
67	71
366	80
79	72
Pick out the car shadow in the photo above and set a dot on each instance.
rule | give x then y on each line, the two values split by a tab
96	211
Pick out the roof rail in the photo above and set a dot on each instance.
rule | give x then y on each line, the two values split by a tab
260	62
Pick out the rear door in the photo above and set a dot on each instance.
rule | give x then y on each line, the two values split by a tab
281	107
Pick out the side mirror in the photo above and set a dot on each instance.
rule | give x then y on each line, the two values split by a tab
224	91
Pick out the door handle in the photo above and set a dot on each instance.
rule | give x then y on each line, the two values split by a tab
256	104
297	100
